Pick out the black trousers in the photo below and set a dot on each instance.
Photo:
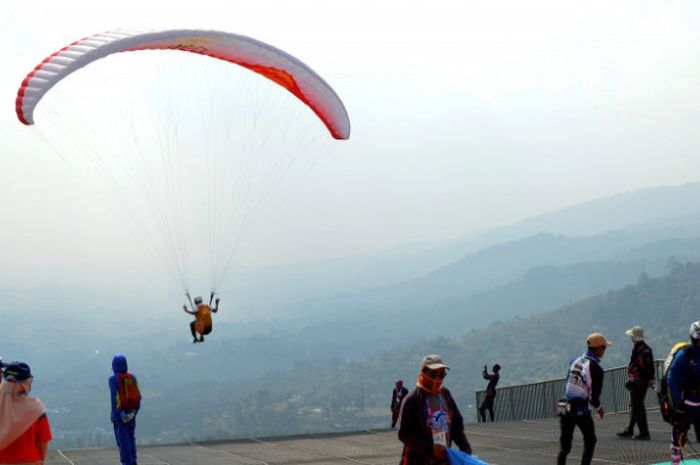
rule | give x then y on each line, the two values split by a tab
394	415
638	411
487	404
568	423
682	423
193	329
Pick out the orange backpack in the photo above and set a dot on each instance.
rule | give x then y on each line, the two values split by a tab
128	394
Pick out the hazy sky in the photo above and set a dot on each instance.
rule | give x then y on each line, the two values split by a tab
465	114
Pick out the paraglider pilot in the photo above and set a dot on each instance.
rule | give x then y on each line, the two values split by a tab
202	324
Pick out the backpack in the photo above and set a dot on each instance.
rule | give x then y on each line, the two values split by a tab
664	395
128	394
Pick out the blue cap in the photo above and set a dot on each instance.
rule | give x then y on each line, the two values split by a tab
17	371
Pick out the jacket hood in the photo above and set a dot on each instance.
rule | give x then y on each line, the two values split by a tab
119	364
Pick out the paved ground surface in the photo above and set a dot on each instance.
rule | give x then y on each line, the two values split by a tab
509	443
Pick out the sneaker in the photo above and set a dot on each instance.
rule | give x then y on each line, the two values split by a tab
624	434
643	437
676	455
195	341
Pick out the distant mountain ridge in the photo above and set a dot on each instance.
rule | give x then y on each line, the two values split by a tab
665	207
501	264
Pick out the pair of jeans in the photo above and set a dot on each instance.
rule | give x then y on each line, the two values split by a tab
568	424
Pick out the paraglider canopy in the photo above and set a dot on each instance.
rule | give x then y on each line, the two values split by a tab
257	56
191	150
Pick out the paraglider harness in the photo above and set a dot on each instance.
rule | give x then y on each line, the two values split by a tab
664	393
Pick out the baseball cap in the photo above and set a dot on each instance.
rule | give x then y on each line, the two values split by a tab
597	340
17	371
433	362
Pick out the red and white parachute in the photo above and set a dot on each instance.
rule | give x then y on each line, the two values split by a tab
191	118
257	56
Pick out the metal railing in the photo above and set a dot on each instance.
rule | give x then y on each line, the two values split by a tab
539	400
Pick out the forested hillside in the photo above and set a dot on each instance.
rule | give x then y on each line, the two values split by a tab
340	395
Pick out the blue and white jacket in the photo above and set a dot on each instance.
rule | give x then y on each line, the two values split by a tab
584	383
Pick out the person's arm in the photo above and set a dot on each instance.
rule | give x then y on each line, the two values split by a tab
216	306
184	307
410	427
43	437
648	364
113	395
43	447
393	399
596	386
677	377
457	427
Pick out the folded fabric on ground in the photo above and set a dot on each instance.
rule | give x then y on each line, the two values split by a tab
457	457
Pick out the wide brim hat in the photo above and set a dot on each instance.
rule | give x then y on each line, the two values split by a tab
636	333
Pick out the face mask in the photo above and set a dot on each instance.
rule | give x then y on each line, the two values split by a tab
430	384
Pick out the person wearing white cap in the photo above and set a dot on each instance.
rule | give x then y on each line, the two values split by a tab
429	420
683	381
640	377
583	387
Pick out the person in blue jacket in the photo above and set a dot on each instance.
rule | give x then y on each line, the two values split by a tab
684	386
126	401
584	384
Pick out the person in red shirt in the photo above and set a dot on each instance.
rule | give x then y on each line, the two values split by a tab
24	428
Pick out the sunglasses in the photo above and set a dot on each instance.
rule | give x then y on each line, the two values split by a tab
435	374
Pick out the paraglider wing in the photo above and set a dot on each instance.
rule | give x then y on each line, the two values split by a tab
257	56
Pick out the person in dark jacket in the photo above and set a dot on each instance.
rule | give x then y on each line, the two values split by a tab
430	421
584	384
683	380
397	397
487	404
123	418
640	377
